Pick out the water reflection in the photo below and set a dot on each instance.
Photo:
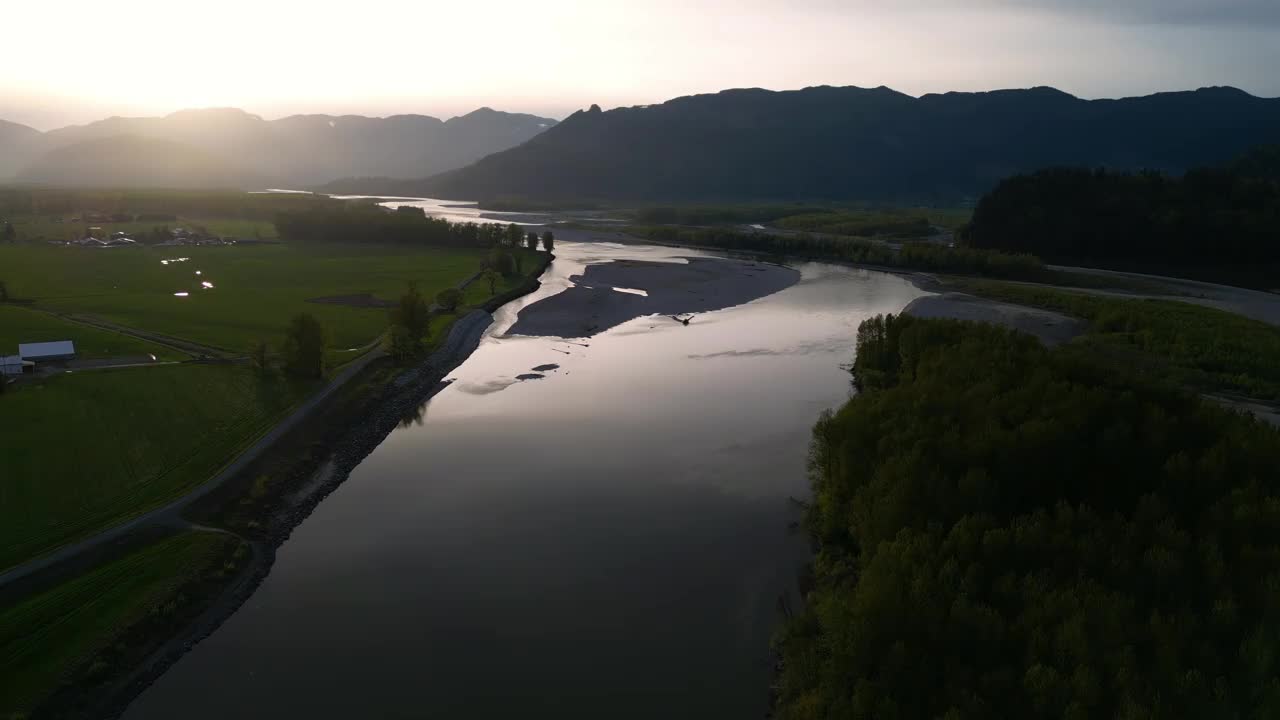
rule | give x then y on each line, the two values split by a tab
608	541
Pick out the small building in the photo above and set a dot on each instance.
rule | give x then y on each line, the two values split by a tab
14	365
47	351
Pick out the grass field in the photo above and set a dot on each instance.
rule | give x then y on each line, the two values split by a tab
45	635
96	447
20	325
256	288
1204	348
38	229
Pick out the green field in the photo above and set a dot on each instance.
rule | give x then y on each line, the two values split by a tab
1204	348
20	325
93	448
256	288
45	635
40	229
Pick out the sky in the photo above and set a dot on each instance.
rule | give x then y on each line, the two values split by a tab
76	61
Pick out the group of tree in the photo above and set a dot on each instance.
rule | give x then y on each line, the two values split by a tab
366	223
1227	216
410	324
1004	530
927	256
302	352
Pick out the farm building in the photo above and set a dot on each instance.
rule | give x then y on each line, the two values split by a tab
14	365
46	351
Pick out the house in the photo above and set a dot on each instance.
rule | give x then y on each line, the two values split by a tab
46	351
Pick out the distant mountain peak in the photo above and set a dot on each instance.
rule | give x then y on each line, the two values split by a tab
853	143
222	144
213	113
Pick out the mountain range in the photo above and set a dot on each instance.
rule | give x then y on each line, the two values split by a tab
850	143
232	148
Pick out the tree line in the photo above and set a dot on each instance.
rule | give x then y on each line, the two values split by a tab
1004	530
366	223
1228	216
926	256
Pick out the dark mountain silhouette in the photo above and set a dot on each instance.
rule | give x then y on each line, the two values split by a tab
855	143
134	161
296	150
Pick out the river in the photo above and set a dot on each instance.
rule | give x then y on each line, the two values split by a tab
607	541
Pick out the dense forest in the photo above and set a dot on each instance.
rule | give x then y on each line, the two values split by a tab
1226	216
1009	531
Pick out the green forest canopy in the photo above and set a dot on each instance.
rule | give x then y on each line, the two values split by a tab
1009	531
1210	216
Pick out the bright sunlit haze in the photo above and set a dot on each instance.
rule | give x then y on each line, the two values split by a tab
281	57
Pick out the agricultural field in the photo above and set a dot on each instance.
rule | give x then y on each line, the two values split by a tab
44	229
97	447
22	325
44	635
255	288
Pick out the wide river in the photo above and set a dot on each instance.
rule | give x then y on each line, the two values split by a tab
609	541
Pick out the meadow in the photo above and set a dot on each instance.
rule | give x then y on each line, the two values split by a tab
256	288
96	447
61	628
44	229
22	325
1204	348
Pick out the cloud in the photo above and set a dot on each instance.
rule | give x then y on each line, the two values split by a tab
1163	12
1203	13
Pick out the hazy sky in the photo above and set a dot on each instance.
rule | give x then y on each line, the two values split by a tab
79	60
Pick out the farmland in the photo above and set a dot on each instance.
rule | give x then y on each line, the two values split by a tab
44	635
97	447
256	288
19	324
43	229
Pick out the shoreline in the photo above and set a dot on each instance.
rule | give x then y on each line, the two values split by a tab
408	390
305	482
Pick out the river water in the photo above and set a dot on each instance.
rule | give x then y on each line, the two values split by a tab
608	541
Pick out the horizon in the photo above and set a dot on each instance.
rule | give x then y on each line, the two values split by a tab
563	54
562	114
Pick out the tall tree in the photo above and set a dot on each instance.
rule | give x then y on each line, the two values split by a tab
260	356
531	240
412	313
514	235
304	346
548	240
10	235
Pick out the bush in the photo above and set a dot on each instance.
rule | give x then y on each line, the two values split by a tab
449	299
